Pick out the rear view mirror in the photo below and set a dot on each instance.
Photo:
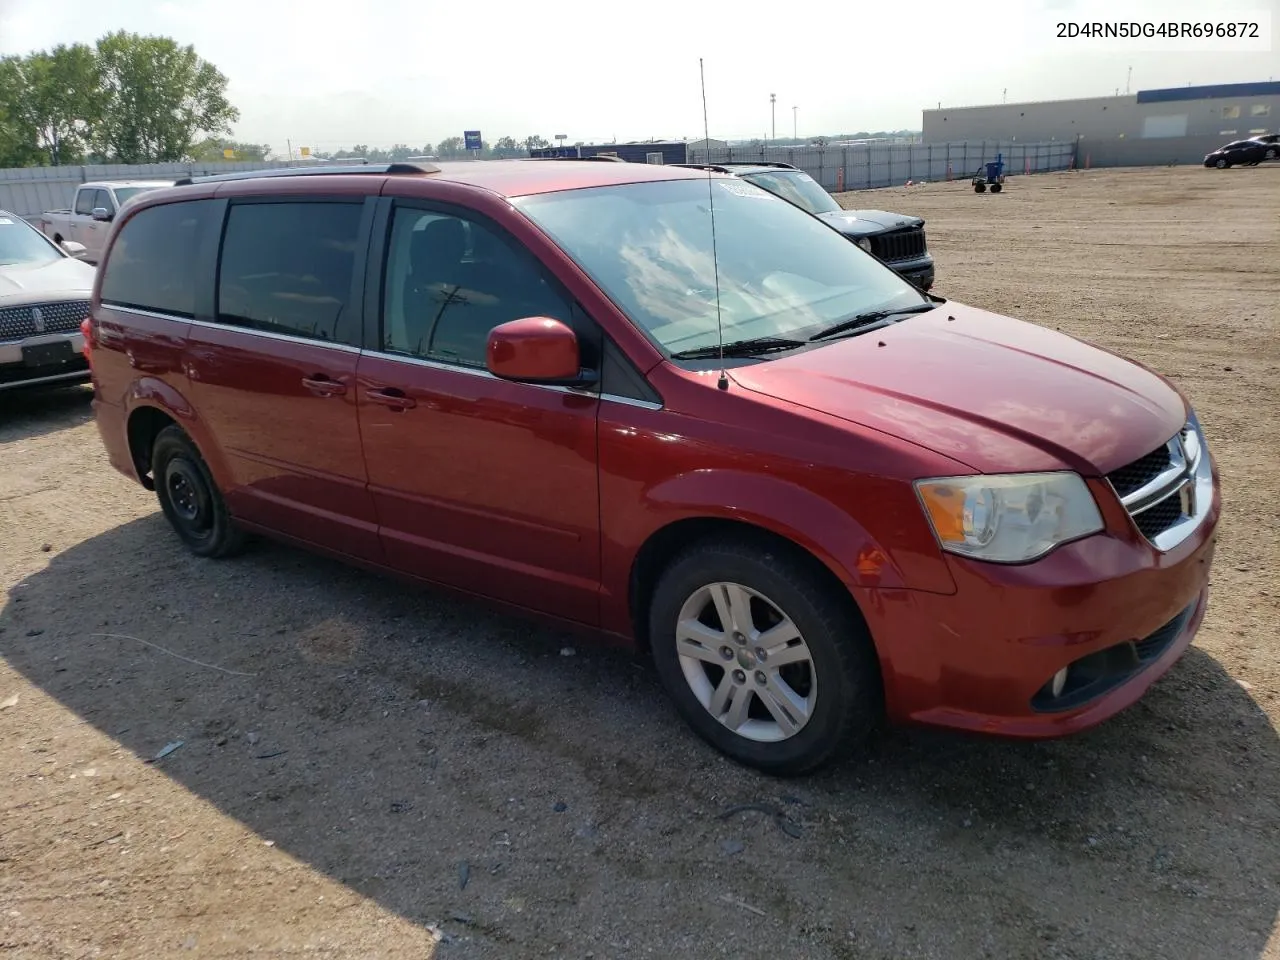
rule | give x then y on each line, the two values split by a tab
101	213
535	350
74	249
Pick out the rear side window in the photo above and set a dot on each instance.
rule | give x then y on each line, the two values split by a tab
152	264
288	268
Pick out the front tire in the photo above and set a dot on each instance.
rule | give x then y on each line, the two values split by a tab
763	657
189	497
1221	164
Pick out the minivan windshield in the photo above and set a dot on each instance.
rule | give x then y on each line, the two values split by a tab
798	187
781	272
22	243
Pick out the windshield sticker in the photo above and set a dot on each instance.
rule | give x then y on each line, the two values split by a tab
740	189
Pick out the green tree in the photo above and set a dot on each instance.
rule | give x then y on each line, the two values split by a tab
507	147
212	149
53	99
536	142
17	142
451	147
158	98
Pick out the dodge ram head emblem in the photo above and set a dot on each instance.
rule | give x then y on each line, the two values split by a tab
37	318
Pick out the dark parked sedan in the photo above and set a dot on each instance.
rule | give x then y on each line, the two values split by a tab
1247	153
1270	145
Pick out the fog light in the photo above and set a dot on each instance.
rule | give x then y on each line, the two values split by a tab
1059	682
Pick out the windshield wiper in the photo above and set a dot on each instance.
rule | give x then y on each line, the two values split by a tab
867	319
739	348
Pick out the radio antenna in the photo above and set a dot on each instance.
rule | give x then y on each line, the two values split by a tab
723	382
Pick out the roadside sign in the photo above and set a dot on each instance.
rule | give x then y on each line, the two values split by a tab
471	139
228	154
304	151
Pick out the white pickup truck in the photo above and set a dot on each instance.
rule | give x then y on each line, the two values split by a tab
89	219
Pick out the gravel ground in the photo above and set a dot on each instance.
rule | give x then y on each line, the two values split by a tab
372	770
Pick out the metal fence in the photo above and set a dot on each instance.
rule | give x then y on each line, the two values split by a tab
28	191
865	166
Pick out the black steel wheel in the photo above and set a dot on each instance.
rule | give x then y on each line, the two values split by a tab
189	497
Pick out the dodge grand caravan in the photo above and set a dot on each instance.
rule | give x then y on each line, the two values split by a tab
816	495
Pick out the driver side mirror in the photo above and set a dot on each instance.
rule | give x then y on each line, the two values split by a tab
536	350
74	249
102	214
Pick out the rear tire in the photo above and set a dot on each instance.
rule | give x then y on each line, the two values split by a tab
816	691
997	187
189	497
979	188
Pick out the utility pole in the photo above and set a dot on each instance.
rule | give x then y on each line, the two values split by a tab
795	124
1128	80
773	115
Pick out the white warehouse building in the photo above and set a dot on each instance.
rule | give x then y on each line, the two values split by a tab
1174	125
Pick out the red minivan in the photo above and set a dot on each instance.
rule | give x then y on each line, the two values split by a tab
673	408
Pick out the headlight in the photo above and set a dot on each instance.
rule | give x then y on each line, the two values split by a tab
1009	519
863	242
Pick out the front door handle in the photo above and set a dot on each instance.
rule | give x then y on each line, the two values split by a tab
392	397
322	386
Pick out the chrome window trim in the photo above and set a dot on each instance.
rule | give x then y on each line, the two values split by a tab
139	312
486	375
272	335
432	364
631	401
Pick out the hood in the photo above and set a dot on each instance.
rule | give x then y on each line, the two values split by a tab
862	223
63	279
997	394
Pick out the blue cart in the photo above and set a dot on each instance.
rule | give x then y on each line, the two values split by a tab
990	174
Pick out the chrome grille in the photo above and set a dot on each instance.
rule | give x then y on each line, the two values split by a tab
899	245
16	323
1167	492
1142	471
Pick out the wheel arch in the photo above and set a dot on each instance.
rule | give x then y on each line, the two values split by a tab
154	404
144	425
665	544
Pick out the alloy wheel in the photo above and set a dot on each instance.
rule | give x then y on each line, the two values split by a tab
746	662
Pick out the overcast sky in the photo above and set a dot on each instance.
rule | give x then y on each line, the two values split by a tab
331	75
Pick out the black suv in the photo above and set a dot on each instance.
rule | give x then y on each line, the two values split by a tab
895	238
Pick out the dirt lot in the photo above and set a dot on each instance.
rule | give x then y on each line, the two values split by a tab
369	770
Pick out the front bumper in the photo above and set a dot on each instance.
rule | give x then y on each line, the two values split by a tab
918	271
1118	613
18	370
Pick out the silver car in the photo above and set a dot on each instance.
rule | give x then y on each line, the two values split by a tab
44	295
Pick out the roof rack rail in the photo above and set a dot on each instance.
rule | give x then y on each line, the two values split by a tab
594	156
717	167
363	168
760	163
